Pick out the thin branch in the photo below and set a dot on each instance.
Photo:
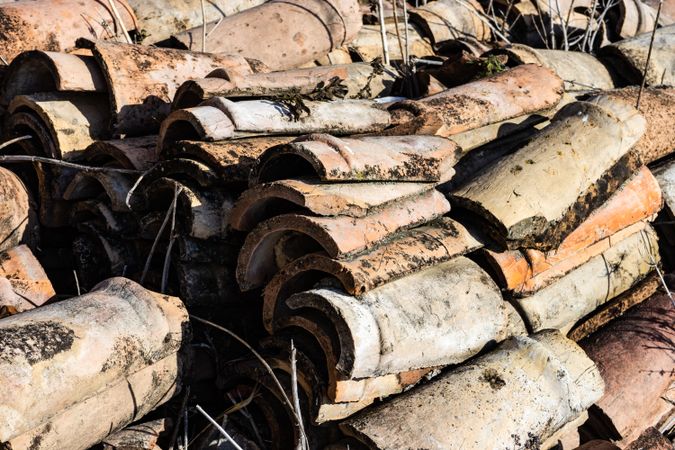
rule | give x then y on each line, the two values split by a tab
569	15
542	35
576	40
398	33
653	263
576	83
186	429
405	30
127	199
241	407
426	61
14	141
599	23
587	33
104	23
551	25
215	26
203	26
172	207
383	33
218	427
649	55
172	238
506	16
56	162
485	19
563	25
267	367
176	428
237	407
77	283
119	20
302	443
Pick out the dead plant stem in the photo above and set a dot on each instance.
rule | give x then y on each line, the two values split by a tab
203	26
649	56
267	367
398	33
120	22
383	32
172	238
218	427
302	444
172	207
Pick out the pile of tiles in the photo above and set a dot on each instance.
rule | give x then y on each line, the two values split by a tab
471	254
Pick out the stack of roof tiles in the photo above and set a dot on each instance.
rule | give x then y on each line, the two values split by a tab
471	254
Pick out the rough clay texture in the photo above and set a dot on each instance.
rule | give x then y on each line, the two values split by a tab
58	355
545	379
535	197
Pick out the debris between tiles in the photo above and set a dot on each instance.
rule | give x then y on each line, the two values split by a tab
337	224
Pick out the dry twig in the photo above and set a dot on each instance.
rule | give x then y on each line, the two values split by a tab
302	443
563	25
506	16
483	18
203	26
599	22
120	22
77	283
649	56
551	25
241	407
172	207
237	407
398	33
172	239
587	33
405	31
267	367
218	427
383	32
186	429
176	428
215	26
56	162
654	264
